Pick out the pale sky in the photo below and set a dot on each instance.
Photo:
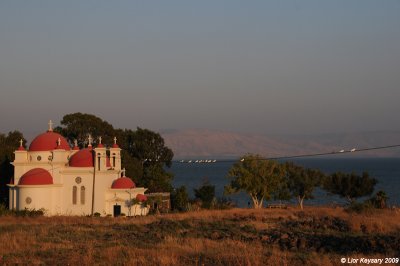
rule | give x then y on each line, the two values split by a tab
274	67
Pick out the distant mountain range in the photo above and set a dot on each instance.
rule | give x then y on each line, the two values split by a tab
201	143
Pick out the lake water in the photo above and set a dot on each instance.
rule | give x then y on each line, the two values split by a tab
385	170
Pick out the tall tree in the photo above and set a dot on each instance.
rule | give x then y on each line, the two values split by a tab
301	181
350	186
258	177
78	126
150	155
8	144
147	146
180	199
205	193
380	199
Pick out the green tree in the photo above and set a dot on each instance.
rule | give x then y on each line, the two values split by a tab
150	158
154	203
8	144
156	179
350	186
259	178
380	200
301	181
147	146
206	194
180	199
78	126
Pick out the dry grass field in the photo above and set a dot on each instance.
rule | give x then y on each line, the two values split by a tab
315	236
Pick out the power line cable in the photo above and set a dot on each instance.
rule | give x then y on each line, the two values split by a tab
354	150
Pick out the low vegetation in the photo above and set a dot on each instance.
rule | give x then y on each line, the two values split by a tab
313	236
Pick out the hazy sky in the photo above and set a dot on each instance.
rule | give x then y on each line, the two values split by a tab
280	67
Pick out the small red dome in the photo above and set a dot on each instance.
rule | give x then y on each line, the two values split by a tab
21	148
141	197
75	148
48	141
123	183
36	176
83	158
115	145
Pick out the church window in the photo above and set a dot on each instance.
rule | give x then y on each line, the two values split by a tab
98	161
83	195
74	195
39	158
28	200
78	179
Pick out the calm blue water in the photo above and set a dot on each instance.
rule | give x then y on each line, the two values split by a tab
385	170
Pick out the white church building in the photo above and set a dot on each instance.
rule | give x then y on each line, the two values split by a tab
51	175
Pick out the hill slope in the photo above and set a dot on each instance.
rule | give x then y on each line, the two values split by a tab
200	143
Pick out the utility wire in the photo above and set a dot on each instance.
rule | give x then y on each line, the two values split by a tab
305	155
334	152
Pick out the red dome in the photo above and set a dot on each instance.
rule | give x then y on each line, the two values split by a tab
36	176
21	148
141	197
83	158
123	182
48	141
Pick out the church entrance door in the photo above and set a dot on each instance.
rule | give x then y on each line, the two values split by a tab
117	210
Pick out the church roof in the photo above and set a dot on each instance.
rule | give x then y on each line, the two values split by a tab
83	158
49	141
36	176
123	183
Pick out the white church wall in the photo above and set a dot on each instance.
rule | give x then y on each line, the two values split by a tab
36	197
103	183
81	203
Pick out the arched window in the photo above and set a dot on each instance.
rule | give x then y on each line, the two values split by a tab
98	161
82	195
74	195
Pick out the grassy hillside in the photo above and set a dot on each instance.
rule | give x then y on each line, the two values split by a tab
315	236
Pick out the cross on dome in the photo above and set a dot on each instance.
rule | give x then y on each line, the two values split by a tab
123	172
100	140
59	141
76	143
115	140
50	125
90	141
21	148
